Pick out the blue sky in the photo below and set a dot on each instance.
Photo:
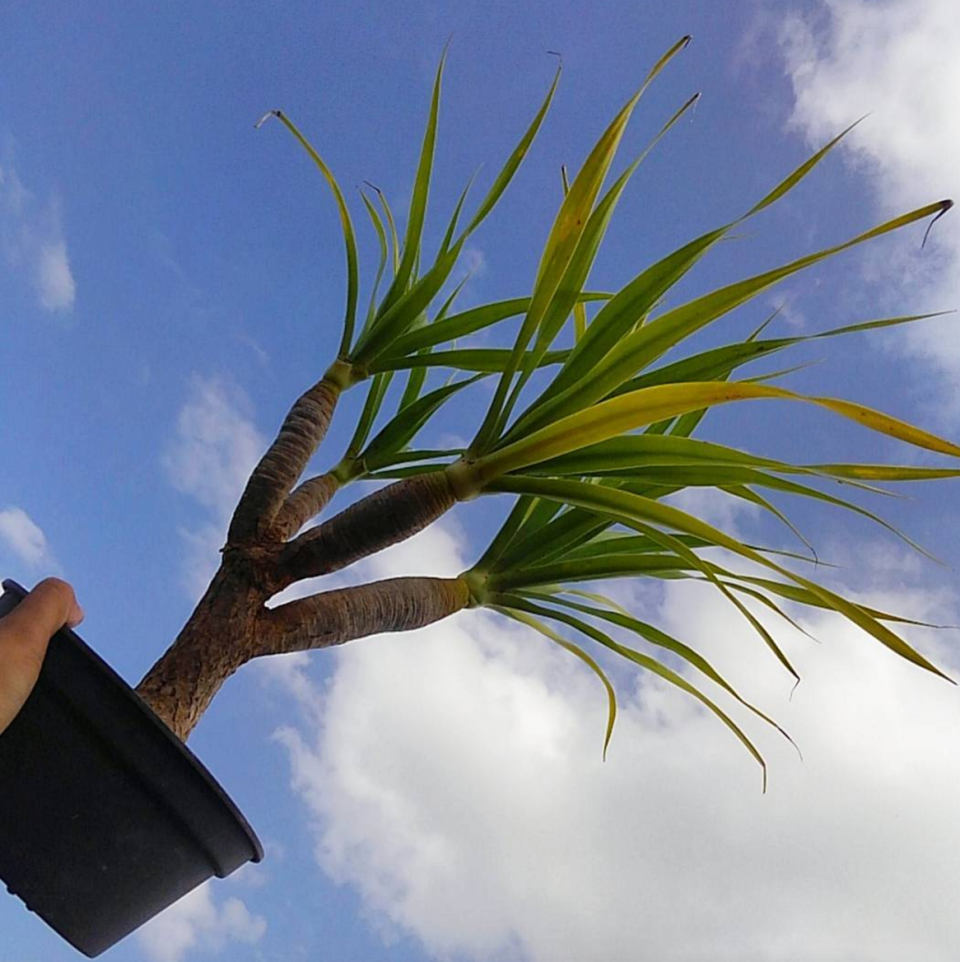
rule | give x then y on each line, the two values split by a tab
171	279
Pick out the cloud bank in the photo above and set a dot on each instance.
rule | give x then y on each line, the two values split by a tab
893	59
453	778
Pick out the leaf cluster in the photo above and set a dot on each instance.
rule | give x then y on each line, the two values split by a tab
592	455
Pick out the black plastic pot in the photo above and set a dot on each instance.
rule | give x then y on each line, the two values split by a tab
106	818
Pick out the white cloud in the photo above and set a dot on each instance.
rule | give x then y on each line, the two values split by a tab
215	448
32	242
893	59
55	284
453	777
24	537
199	923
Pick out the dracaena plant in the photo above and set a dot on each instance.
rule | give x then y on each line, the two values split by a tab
588	459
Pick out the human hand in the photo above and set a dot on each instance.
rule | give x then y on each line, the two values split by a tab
24	635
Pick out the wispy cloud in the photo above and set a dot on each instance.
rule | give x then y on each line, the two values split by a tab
199	924
24	537
454	779
32	242
895	60
215	448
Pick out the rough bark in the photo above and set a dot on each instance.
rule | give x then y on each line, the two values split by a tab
285	460
334	617
232	624
229	627
306	501
375	522
218	638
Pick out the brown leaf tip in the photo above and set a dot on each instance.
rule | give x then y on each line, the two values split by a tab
945	205
266	117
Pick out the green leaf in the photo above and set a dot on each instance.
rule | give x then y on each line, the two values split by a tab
575	275
391	224
423	454
882	472
645	662
395	474
670	543
507	533
647	405
349	238
616	320
457	326
721	472
763	599
631	508
418	200
513	162
371	408
579	310
661	639
633	456
404	310
653	564
790	182
382	238
638	452
469	322
401	429
488	359
625	313
616	542
562	242
715	364
548	632
635	351
571	528
418	374
791	487
802	596
414	385
752	497
447	241
590	596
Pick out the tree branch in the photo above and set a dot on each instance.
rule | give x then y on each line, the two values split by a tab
285	460
219	637
334	617
392	514
306	501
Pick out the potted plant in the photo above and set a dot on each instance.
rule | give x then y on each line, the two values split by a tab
589	428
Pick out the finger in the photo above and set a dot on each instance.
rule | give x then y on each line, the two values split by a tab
24	635
44	611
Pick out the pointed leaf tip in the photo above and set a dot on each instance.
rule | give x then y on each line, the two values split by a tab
945	205
265	118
